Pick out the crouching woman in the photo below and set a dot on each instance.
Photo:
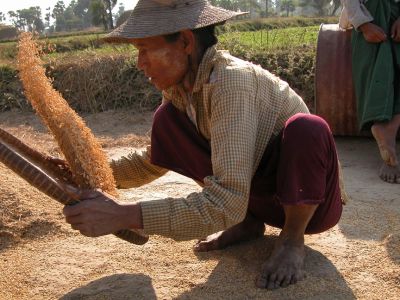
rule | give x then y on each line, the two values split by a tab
239	131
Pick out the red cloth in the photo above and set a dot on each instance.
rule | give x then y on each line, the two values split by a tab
299	166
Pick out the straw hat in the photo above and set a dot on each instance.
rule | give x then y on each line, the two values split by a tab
160	17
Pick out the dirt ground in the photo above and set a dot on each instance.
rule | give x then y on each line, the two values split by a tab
42	258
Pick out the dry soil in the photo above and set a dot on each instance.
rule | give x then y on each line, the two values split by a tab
42	258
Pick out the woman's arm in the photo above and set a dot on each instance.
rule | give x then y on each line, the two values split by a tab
135	170
354	13
372	33
359	16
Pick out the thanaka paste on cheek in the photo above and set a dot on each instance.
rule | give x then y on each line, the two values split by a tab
166	58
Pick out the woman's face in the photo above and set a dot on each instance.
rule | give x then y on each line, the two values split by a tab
164	63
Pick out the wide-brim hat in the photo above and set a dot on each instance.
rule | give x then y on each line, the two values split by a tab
159	17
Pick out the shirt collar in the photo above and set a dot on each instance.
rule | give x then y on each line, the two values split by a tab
175	93
205	67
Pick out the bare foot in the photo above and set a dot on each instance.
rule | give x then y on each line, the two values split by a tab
250	228
385	136
284	266
390	174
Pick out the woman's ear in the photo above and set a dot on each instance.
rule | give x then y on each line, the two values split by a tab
189	41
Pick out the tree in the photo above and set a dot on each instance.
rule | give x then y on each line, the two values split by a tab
33	18
123	17
2	17
227	4
27	19
121	10
102	12
58	15
336	5
288	6
109	5
83	11
99	13
322	7
48	17
277	6
72	22
272	7
14	18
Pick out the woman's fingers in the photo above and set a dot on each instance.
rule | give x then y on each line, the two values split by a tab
395	31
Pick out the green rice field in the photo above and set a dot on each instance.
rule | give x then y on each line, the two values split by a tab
272	39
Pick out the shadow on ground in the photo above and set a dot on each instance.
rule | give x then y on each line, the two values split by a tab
242	263
393	247
373	212
120	286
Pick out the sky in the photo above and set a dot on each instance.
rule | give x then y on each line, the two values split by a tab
14	5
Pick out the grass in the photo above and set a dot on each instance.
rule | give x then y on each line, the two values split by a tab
53	45
259	34
261	40
96	76
271	39
105	50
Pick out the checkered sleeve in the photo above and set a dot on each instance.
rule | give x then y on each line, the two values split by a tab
135	170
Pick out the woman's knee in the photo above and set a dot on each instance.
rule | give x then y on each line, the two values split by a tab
306	131
303	124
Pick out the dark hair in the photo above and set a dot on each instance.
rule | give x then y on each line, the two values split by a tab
172	37
205	37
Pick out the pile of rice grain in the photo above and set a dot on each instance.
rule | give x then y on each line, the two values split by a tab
82	151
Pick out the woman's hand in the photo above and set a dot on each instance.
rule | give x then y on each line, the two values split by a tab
373	33
62	168
99	214
395	31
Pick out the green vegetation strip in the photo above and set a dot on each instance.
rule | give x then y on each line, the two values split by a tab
94	76
271	39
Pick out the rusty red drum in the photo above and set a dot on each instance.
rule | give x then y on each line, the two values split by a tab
334	92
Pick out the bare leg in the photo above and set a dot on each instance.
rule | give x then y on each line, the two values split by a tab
385	136
285	264
250	228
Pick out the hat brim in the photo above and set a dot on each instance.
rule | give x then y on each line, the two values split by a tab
144	23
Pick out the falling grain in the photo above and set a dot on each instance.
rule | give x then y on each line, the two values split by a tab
82	151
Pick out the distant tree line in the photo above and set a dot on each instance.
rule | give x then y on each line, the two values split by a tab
267	8
78	15
82	14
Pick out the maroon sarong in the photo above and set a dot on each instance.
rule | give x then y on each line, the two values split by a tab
299	166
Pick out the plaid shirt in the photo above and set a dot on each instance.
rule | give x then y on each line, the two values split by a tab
237	107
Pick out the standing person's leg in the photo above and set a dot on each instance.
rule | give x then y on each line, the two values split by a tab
374	73
385	132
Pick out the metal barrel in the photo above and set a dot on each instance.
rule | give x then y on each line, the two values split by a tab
334	92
